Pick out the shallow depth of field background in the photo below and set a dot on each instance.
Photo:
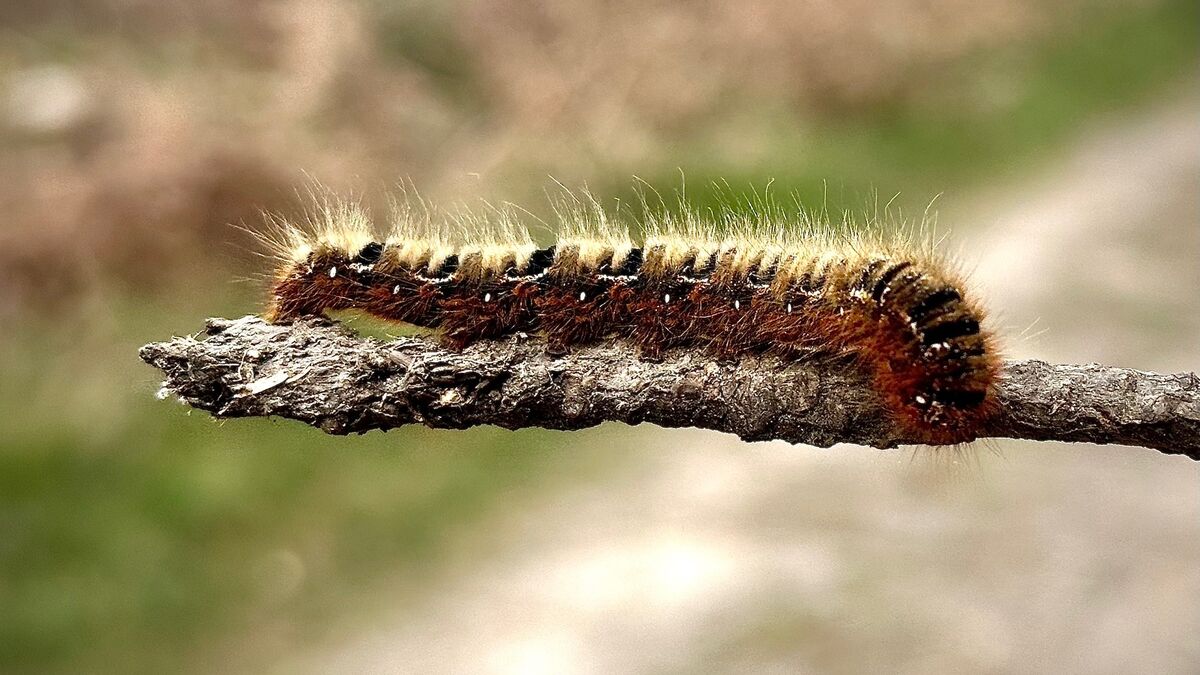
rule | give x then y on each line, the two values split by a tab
1063	138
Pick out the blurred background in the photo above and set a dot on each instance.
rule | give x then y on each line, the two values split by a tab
1063	138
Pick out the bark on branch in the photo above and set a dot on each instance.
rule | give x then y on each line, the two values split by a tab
323	375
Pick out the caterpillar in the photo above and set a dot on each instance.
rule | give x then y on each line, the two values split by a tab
776	282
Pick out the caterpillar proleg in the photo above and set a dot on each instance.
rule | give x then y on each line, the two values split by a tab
722	282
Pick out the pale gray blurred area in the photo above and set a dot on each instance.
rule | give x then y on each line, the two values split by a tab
1097	257
707	554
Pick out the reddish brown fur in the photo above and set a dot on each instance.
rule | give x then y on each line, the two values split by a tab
939	393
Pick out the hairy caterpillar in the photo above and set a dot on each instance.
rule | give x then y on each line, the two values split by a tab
777	282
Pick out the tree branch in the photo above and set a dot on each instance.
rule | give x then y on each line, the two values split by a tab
321	374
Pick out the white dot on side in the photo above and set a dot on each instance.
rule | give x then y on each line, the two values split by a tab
667	298
332	272
582	296
737	304
396	289
487	297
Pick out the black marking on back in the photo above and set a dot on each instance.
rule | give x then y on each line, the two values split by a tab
960	398
604	263
945	332
369	255
864	277
936	300
885	279
540	261
907	284
448	267
509	273
812	283
688	270
631	265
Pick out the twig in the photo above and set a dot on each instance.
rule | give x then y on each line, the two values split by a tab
321	374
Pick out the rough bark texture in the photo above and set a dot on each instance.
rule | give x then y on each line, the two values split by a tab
321	374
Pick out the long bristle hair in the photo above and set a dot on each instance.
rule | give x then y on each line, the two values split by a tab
760	275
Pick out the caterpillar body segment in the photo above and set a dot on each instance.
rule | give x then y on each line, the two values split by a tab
899	310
